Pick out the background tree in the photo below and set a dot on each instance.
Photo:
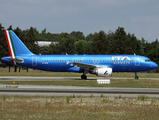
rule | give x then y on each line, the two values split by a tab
135	44
82	47
145	46
153	53
3	44
55	48
77	35
121	44
18	32
100	43
44	50
111	38
67	45
32	41
10	27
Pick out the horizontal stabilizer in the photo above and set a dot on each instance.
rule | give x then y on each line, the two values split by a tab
16	60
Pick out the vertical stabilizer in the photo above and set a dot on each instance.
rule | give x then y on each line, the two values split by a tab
15	45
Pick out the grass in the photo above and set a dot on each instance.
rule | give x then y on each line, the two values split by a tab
57	108
20	107
129	83
38	73
142	97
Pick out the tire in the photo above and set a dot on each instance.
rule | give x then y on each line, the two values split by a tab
84	77
136	77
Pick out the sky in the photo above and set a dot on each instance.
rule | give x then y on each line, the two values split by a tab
139	17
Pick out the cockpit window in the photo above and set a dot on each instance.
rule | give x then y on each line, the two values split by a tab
147	60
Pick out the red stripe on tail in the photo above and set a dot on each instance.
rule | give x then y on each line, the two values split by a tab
8	45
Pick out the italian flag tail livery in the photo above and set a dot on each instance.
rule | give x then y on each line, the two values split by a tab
15	46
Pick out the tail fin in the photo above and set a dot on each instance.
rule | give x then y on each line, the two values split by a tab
15	45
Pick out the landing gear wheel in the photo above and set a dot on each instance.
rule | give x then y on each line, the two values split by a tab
84	77
136	77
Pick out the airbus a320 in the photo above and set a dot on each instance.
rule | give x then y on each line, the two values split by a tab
101	65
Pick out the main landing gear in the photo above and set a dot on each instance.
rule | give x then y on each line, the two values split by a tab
84	75
136	77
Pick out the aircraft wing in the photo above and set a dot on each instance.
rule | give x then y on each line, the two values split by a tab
83	65
89	66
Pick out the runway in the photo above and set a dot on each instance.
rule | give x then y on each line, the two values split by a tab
37	90
31	90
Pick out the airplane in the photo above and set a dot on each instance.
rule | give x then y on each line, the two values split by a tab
100	65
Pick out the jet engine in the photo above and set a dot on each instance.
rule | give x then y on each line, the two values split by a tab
104	72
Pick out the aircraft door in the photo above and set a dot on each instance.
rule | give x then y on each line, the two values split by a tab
137	61
34	61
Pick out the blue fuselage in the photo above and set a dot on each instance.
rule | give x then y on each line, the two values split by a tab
63	63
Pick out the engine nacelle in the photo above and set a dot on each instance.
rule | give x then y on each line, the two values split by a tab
104	72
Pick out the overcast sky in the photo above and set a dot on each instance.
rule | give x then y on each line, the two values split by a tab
139	17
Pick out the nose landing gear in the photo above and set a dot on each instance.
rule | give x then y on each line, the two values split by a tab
136	77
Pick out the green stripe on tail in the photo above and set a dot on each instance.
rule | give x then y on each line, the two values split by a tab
12	45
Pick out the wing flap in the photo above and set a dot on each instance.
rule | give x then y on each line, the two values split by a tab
83	65
89	66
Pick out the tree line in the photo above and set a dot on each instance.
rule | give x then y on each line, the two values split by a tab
118	42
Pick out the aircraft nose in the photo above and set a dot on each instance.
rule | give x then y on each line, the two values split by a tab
154	65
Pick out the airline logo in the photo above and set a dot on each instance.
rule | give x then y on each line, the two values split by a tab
120	58
10	45
106	72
